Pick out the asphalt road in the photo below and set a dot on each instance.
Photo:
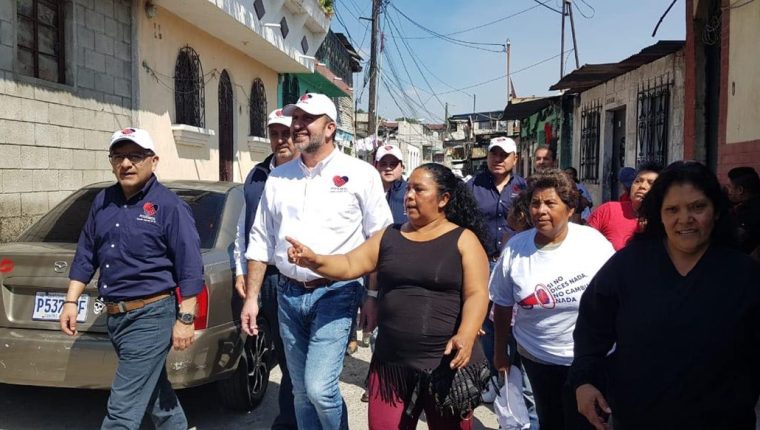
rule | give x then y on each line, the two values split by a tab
39	408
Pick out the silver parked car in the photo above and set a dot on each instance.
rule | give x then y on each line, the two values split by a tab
34	278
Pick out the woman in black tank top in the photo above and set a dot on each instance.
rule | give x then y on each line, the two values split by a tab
433	295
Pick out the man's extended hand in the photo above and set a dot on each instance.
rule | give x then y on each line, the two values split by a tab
248	316
182	335
240	286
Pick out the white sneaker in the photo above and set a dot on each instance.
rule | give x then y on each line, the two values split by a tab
492	389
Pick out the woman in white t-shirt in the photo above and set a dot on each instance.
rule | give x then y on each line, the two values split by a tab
544	272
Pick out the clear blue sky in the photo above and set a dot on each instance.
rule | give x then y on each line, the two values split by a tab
614	30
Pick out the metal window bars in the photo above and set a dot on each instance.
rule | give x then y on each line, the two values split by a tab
258	108
653	120
189	89
591	116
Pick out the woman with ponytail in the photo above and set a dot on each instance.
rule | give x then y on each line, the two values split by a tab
432	299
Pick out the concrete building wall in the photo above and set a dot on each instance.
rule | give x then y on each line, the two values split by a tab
55	136
622	93
742	123
160	39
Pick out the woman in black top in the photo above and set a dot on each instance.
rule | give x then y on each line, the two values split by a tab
432	278
685	327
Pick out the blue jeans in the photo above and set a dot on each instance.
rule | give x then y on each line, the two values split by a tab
286	419
142	339
314	325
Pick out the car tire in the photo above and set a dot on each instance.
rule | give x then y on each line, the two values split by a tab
245	389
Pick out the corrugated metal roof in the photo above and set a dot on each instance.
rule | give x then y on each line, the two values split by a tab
527	108
591	75
478	116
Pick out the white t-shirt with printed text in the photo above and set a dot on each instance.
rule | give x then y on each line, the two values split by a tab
545	287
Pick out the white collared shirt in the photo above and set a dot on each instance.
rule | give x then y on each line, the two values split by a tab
241	263
332	208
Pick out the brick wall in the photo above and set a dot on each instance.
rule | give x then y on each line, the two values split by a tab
55	136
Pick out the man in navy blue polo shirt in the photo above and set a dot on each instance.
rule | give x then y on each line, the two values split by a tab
389	162
494	190
143	239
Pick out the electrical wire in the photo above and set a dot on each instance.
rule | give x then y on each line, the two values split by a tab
737	4
465	43
477	27
504	76
548	7
578	8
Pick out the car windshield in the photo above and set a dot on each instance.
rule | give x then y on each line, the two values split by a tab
64	222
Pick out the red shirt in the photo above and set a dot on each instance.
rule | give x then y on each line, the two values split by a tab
617	221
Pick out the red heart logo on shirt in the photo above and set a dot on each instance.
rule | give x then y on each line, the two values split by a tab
339	181
6	266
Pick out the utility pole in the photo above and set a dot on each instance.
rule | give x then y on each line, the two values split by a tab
372	114
509	79
473	102
562	42
567	10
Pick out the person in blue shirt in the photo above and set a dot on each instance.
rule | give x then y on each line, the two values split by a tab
494	190
389	162
143	239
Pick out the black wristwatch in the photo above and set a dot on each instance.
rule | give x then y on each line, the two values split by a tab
186	318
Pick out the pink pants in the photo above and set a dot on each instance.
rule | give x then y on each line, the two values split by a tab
390	415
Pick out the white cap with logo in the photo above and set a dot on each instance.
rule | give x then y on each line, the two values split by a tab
136	135
277	117
313	104
389	150
508	145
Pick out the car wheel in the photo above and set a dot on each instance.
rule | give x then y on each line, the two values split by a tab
247	386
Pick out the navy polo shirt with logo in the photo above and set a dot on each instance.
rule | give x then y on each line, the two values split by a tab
145	245
494	206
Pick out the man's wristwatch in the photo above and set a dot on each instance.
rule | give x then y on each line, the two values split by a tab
186	318
372	293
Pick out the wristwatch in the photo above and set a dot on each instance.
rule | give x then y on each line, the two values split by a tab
185	318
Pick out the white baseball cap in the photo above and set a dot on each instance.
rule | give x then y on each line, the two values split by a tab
313	104
137	135
389	150
277	117
508	145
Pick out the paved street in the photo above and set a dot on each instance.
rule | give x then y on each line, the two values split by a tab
53	408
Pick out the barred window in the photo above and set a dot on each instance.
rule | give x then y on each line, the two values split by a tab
40	39
258	109
590	127
290	89
189	96
653	118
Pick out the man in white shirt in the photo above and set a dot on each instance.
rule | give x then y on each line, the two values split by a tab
283	150
331	202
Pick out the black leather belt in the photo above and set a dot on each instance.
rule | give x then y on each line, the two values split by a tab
314	283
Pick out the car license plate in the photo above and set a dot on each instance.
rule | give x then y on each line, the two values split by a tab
48	306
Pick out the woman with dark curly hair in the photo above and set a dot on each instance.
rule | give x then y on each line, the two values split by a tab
544	271
432	298
682	307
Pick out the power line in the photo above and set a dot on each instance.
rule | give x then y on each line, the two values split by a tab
548	7
464	43
477	27
414	59
578	8
504	76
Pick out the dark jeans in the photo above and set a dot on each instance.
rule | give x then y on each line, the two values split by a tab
555	400
287	416
142	339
